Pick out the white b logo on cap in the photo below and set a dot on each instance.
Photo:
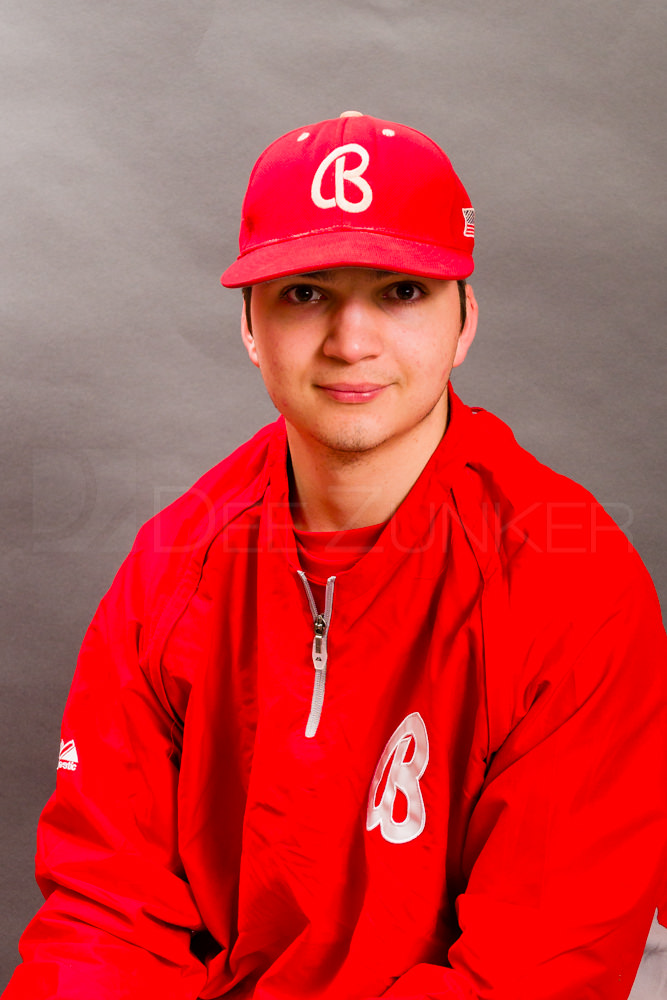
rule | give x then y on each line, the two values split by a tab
352	175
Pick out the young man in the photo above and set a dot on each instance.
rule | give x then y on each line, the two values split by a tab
379	706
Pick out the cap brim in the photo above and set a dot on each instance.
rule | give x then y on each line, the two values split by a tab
317	251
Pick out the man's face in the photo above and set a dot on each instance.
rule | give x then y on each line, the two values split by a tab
357	359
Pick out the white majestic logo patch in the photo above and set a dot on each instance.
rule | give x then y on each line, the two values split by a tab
353	176
400	812
68	758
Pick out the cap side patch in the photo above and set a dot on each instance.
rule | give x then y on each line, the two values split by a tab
468	221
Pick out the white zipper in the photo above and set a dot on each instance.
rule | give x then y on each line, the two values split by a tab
321	624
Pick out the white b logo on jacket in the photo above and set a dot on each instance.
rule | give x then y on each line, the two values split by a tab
403	778
353	176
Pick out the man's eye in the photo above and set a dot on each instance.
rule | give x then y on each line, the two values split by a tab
299	294
405	291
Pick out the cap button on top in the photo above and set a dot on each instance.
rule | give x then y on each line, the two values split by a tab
351	114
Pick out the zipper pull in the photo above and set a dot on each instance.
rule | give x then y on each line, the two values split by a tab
320	625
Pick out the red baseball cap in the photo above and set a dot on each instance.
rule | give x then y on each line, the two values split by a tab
353	191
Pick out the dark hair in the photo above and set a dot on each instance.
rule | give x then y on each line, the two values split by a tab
247	292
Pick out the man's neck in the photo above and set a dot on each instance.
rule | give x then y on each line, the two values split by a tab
337	491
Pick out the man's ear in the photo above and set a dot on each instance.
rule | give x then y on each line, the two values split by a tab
469	329
248	339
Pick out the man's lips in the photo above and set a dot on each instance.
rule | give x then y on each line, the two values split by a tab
349	392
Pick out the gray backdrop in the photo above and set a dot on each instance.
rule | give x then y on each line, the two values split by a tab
131	131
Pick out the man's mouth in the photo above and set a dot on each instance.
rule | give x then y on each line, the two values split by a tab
353	392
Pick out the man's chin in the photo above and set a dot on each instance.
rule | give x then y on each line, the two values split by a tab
350	444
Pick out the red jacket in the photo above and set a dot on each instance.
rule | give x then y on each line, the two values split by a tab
481	811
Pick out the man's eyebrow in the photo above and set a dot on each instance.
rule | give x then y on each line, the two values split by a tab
316	275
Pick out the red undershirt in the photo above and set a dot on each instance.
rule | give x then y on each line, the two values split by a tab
327	553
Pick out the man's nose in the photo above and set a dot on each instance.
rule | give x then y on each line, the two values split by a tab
353	333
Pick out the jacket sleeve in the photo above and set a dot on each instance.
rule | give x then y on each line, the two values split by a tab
119	916
566	848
